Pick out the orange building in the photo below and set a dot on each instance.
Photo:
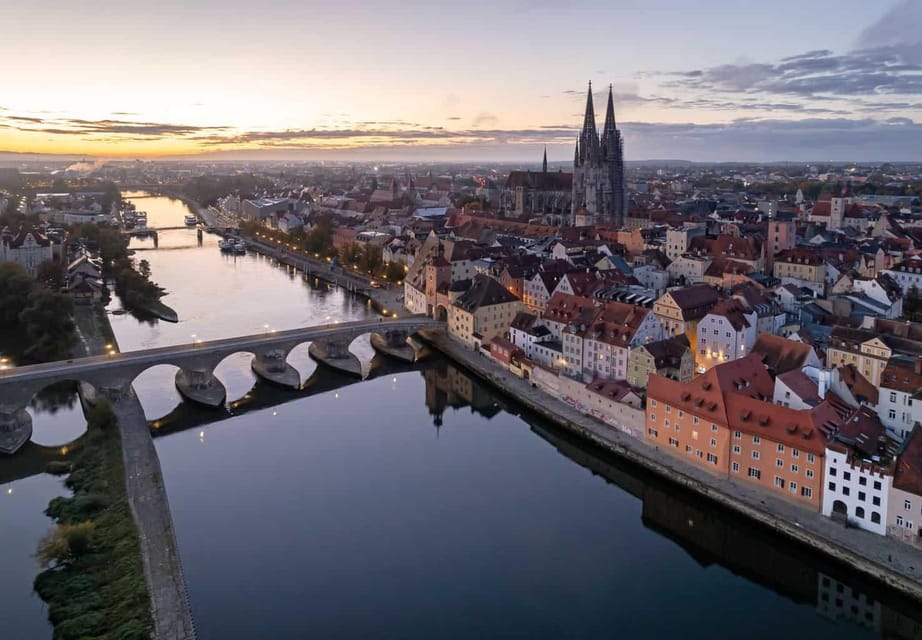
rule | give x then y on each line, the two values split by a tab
724	421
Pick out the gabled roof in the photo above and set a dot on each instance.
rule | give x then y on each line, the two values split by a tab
668	352
695	301
484	292
908	475
779	354
732	310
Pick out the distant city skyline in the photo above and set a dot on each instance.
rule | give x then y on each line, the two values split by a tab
433	81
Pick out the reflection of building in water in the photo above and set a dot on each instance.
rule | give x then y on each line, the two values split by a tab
713	535
839	601
450	387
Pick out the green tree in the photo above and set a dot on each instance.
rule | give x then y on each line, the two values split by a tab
49	325
51	274
912	304
15	287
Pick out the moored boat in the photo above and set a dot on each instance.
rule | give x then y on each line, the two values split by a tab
191	220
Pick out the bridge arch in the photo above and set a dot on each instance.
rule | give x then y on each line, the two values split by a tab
155	387
57	415
236	374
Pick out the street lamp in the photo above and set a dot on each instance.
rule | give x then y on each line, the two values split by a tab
193	340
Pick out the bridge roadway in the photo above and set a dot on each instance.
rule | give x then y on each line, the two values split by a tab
197	361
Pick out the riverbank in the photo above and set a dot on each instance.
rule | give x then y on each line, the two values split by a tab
95	585
387	301
141	481
892	563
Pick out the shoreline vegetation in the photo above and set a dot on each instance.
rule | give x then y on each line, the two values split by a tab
138	293
93	578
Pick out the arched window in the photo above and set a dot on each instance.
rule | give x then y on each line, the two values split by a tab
875	517
859	513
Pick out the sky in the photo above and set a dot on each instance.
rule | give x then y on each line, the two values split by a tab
716	80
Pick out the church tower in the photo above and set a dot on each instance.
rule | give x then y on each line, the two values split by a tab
599	195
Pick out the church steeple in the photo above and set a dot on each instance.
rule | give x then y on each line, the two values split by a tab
610	126
589	118
544	163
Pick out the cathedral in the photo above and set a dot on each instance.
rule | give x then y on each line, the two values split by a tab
599	196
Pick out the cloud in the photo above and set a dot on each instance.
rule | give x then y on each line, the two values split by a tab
106	127
485	119
898	28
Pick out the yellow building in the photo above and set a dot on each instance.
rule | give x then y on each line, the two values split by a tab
680	310
483	312
864	349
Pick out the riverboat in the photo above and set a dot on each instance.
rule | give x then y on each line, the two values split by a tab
191	220
240	247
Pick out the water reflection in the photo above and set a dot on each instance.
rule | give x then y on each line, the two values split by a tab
57	415
517	495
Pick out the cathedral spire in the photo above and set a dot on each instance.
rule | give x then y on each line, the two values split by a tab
589	119
544	164
610	126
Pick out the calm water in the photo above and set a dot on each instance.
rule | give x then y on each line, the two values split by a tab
416	505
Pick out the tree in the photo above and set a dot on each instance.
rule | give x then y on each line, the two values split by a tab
144	268
48	324
912	304
51	275
15	287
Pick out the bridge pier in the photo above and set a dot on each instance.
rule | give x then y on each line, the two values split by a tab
396	344
334	352
15	429
273	367
201	387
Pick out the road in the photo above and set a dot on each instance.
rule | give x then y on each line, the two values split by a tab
78	366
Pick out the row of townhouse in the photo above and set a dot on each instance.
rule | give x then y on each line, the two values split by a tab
793	437
585	338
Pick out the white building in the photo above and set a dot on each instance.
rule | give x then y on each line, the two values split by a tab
859	473
28	249
899	406
726	333
908	274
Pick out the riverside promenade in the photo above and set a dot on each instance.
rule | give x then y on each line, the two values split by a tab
894	564
387	299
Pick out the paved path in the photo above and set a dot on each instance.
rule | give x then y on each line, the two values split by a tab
147	497
894	563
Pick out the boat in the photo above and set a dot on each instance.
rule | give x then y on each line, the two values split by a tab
240	247
191	220
226	245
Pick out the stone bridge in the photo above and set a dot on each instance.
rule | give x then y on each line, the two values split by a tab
113	374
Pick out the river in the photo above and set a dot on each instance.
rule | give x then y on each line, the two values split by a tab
416	504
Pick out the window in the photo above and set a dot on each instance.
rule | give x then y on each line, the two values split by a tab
806	492
755	455
737	435
810	457
712	458
681	414
846	475
652	432
668	409
736	467
666	423
909	524
795	453
673	442
795	468
875	500
846	491
653	403
862	496
688	448
862	481
713	427
832	486
694	421
832	471
779	463
809	473
779	482
756	440
899	521
754	473
907	505
713	442
877	485
859	512
891	414
792	487
736	448
875	517
780	448
677	428
652	417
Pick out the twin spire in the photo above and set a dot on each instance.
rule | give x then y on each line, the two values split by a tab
589	143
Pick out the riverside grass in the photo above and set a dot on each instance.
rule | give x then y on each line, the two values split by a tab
94	582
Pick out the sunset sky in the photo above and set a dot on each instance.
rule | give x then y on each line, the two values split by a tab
713	80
